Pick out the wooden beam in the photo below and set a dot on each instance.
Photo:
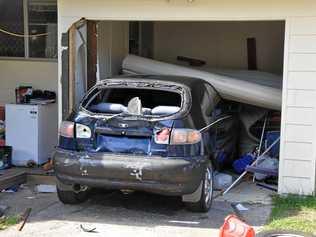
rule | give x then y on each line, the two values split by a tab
92	51
252	54
11	178
65	75
72	67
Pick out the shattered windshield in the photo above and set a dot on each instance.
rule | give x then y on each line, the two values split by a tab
117	101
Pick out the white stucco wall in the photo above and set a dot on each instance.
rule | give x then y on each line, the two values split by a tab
40	74
298	142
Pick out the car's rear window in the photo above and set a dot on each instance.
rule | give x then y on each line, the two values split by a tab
154	102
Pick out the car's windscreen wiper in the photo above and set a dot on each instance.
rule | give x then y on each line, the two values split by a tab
113	116
123	114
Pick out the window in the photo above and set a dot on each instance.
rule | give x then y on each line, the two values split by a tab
38	18
11	19
42	18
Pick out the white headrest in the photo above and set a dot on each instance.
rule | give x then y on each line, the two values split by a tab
165	110
108	108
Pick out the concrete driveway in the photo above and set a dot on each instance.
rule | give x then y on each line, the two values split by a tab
116	214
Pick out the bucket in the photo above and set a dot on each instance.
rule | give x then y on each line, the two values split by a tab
234	227
5	157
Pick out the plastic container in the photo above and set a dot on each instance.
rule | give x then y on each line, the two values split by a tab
241	164
5	157
234	227
222	181
266	162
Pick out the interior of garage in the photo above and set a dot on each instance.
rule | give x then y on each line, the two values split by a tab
246	50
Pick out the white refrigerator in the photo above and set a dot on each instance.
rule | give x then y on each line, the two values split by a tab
31	130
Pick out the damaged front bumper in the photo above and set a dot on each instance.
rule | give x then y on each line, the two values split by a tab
173	176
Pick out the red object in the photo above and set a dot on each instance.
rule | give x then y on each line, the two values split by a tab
234	227
2	142
2	113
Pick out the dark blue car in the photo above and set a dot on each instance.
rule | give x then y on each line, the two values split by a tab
147	133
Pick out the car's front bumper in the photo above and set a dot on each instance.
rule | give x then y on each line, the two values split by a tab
164	175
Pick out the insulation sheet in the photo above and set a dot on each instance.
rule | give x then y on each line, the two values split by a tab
243	87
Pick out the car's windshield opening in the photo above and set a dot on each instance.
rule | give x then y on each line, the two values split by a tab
115	101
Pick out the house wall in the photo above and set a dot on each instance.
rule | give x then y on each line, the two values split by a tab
184	10
39	74
221	44
297	173
297	167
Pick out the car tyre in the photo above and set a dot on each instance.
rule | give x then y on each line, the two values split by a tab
206	197
71	197
282	233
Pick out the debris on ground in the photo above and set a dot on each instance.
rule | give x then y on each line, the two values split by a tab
25	216
88	230
48	166
46	188
241	207
3	209
12	189
222	181
12	178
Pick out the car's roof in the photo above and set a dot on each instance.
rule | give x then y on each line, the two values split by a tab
188	81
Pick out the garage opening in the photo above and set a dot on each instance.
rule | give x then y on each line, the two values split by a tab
247	51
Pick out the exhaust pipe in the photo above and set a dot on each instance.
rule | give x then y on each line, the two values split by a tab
77	188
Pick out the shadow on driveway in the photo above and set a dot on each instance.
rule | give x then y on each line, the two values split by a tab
121	214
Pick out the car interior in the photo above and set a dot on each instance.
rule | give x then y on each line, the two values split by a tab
154	102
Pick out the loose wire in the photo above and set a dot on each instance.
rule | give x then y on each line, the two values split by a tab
22	35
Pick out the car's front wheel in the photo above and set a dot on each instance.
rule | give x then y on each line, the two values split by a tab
206	196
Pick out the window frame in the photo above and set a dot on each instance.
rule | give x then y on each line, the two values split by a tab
26	40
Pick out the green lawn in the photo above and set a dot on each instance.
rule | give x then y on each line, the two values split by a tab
293	213
8	221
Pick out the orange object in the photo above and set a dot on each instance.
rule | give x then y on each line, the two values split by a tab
49	165
234	227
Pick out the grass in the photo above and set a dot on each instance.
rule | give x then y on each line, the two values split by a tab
293	213
8	221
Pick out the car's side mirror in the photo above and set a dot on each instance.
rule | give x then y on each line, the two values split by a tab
134	106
